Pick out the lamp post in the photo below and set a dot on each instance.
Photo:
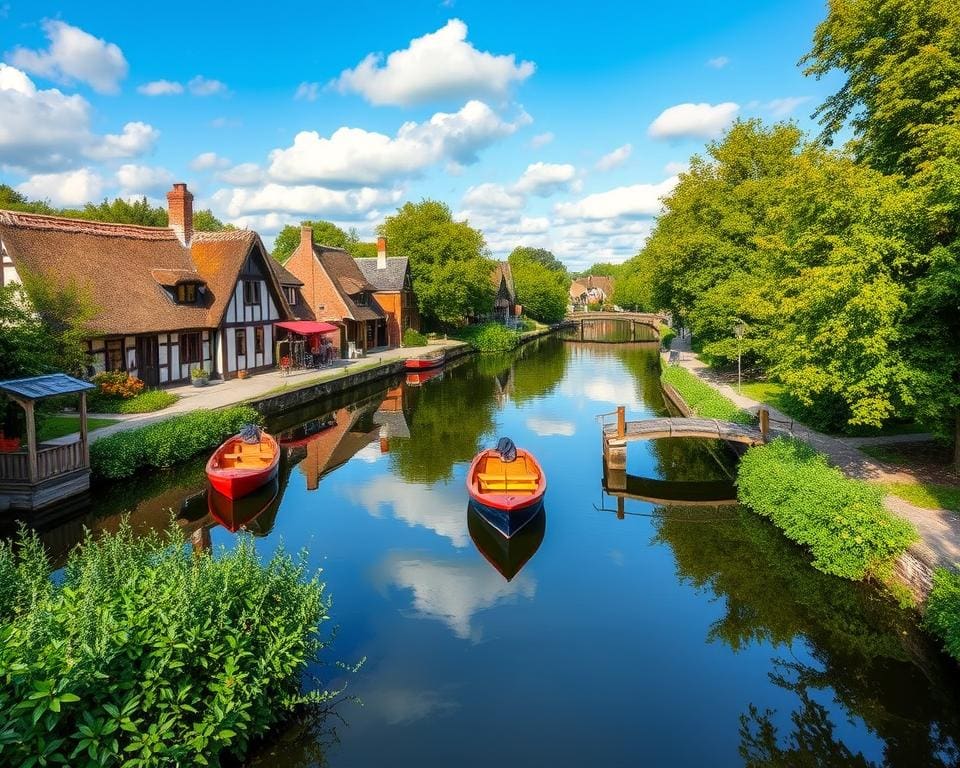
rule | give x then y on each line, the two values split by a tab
739	330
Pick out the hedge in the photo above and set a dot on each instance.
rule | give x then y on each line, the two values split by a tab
143	652
667	335
489	337
412	338
167	443
703	399
841	521
943	610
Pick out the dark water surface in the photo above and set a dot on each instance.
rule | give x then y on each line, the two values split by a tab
663	635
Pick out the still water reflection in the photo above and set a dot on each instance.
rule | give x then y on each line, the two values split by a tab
668	635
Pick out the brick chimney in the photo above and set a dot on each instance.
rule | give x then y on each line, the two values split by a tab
180	213
381	253
306	240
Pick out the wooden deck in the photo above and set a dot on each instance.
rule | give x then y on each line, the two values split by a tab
661	428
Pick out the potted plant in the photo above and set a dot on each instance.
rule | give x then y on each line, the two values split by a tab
200	377
242	374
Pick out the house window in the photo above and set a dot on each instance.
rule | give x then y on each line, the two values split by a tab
291	294
360	299
258	340
187	293
251	291
241	341
113	358
191	348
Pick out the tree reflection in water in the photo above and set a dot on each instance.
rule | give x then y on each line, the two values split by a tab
874	661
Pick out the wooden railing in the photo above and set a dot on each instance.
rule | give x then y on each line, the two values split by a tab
51	461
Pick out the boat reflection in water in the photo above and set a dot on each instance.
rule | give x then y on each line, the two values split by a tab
249	512
508	556
417	378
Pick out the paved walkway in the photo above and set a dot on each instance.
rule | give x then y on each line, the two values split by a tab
939	529
218	394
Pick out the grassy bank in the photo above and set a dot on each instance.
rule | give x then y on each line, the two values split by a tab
61	426
927	495
145	653
702	398
842	522
145	402
166	443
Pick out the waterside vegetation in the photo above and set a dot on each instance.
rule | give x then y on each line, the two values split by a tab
702	398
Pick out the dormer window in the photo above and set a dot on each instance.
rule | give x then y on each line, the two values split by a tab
360	299
291	294
187	293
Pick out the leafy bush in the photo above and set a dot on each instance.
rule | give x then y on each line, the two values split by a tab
841	521
166	443
412	338
145	653
667	335
199	373
525	324
146	402
489	337
943	610
118	384
702	398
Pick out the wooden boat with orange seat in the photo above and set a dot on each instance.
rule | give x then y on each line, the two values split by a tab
239	467
426	361
507	486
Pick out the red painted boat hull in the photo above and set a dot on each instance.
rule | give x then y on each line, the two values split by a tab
426	362
416	378
236	482
506	501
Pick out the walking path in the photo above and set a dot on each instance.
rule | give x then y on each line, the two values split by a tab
939	529
218	394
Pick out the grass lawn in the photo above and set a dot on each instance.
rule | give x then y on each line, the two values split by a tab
774	395
58	426
927	495
146	402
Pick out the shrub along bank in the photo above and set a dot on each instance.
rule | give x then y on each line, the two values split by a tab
667	335
943	610
167	443
145	653
702	398
489	337
841	521
412	338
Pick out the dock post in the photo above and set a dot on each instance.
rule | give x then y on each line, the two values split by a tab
620	511
621	421
764	414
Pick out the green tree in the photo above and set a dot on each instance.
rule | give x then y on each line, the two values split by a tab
541	291
120	211
448	260
324	233
205	221
540	256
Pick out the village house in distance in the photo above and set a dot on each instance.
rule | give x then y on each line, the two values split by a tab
168	299
592	289
393	290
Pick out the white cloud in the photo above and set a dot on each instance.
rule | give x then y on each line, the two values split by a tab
542	139
242	175
356	157
544	179
208	161
675	168
546	427
74	56
143	179
137	139
703	120
303	200
307	91
785	106
202	86
615	159
40	129
67	188
637	200
439	65
492	197
225	122
160	88
718	63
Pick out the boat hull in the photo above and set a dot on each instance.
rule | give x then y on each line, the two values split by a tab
510	503
236	482
508	522
424	363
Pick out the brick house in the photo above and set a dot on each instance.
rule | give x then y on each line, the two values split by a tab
335	290
393	290
168	299
592	289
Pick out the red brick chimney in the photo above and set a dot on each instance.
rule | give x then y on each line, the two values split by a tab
180	213
381	253
306	240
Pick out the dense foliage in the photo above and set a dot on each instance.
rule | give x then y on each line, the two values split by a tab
324	233
145	653
168	442
489	337
541	256
703	399
943	610
542	291
841	521
667	335
448	261
412	338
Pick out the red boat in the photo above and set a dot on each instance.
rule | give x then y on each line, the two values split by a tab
506	491
238	467
425	362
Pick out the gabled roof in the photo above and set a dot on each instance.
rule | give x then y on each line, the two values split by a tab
349	281
284	276
502	272
389	279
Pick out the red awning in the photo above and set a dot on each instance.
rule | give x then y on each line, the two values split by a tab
307	327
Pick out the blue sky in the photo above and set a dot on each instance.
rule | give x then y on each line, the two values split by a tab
550	125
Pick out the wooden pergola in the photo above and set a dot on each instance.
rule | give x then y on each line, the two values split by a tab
44	474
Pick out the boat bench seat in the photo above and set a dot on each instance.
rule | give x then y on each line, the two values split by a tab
499	478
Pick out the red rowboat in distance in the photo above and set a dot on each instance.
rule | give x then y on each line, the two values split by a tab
239	467
426	361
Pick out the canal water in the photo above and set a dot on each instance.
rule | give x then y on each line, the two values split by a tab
613	631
